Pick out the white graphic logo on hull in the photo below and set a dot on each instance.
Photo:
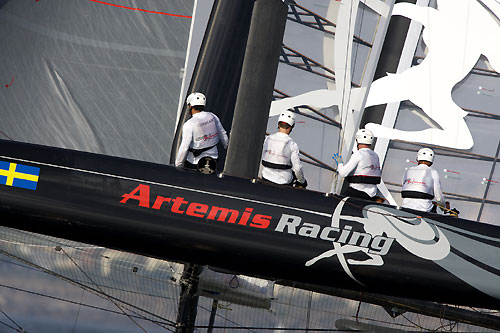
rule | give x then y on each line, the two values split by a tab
413	233
456	34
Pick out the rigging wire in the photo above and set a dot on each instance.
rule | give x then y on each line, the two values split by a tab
341	138
8	137
106	286
102	291
81	303
95	291
78	312
346	69
61	299
84	250
343	120
358	309
359	32
12	320
401	325
11	327
256	329
309	301
17	264
225	318
451	324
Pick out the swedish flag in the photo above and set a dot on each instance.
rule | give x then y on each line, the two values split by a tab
18	175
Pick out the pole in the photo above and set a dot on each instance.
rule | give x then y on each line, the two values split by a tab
255	91
218	67
188	303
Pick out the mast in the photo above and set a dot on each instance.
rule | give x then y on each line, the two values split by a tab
388	61
398	33
217	76
255	92
218	66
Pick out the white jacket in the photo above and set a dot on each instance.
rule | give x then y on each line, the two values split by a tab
203	130
280	156
364	168
421	180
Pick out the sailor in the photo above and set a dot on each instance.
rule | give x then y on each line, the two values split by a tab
421	184
362	171
200	134
280	155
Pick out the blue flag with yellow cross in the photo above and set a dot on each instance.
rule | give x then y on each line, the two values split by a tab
19	175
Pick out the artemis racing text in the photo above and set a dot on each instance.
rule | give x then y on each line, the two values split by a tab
180	206
289	224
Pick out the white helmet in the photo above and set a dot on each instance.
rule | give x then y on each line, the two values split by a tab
425	154
196	99
287	117
364	136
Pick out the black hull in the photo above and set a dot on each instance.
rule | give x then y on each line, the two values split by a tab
253	228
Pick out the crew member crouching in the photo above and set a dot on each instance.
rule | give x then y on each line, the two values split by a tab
280	155
363	169
200	134
421	184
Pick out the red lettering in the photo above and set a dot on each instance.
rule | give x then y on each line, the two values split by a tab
159	201
142	194
196	209
142	197
177	204
245	216
261	221
223	214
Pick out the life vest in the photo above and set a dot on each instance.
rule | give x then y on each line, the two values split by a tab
418	184
277	153
205	134
368	169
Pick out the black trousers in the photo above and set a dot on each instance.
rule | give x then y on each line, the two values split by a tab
351	192
188	165
289	184
192	166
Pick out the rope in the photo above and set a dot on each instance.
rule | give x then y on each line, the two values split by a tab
11	327
341	140
102	291
88	288
161	324
8	137
81	249
78	312
447	210
20	329
62	299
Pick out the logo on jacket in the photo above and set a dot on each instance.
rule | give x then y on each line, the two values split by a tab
372	167
411	181
206	122
206	137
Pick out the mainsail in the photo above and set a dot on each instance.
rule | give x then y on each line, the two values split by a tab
91	76
114	274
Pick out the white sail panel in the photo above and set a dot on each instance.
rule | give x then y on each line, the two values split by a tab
101	77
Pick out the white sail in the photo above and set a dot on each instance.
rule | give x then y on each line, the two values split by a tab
137	292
